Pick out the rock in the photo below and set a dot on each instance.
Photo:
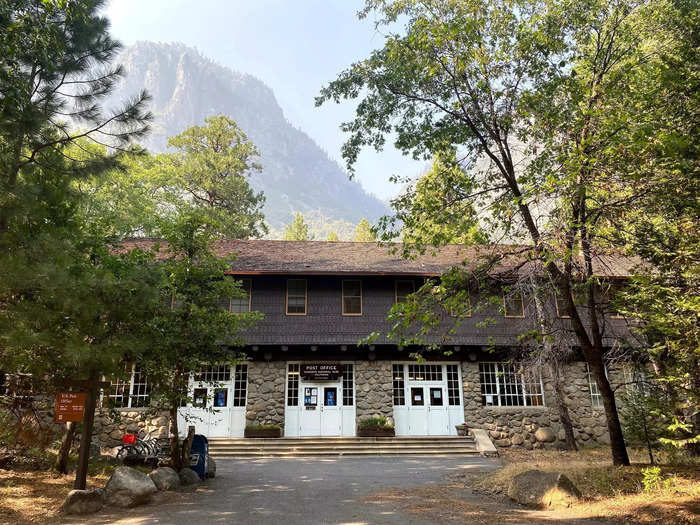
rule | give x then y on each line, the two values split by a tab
517	439
543	490
212	468
129	487
165	478
545	435
189	477
83	502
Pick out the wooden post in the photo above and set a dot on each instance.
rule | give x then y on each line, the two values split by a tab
86	434
187	447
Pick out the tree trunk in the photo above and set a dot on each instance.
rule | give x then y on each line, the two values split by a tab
617	439
175	454
64	451
187	447
563	410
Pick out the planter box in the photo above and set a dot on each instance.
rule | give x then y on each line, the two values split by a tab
375	432
262	432
462	430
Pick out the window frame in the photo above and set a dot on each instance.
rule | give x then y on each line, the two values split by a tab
306	298
396	288
522	306
596	396
556	307
107	395
525	393
250	296
343	296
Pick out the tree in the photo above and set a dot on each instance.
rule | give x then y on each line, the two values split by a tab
496	81
436	210
363	232
55	66
333	237
298	230
193	330
211	167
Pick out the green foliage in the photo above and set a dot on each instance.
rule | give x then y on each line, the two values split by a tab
364	232
333	237
373	423
298	230
437	210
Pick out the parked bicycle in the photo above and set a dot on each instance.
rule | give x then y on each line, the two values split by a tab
141	446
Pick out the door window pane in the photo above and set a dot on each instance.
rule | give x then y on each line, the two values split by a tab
348	393
293	385
240	385
436	399
200	397
399	397
220	397
417	396
330	396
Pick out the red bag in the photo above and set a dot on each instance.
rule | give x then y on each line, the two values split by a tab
129	439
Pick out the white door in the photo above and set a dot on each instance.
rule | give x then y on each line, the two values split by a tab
438	420
218	402
310	417
417	412
331	416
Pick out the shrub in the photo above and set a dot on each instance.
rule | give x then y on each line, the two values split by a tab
373	422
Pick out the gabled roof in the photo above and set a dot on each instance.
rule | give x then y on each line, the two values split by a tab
258	257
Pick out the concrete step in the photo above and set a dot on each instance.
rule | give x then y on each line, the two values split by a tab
339	446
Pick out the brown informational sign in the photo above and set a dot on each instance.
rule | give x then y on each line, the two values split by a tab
321	372
69	407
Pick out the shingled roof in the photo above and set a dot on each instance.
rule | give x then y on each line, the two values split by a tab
257	257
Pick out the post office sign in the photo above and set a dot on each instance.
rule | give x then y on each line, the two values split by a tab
321	371
69	406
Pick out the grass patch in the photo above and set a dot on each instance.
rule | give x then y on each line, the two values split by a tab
634	494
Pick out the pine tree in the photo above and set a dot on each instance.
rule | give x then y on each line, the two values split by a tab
363	232
332	236
298	230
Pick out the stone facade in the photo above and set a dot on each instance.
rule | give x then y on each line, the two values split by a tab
538	427
373	390
111	425
266	391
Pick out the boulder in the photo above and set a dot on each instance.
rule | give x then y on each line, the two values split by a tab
212	468
165	478
545	435
129	487
543	490
189	476
83	502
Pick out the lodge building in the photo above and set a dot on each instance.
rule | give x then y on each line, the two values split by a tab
307	373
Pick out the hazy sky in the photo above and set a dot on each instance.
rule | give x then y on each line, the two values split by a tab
295	46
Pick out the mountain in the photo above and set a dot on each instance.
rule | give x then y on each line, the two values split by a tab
297	174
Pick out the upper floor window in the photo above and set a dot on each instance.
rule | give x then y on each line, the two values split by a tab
503	385
404	289
560	305
352	297
513	305
239	305
296	296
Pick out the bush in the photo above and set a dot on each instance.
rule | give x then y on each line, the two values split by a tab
263	427
373	422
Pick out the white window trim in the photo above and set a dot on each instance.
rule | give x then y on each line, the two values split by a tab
300	396
408	383
522	385
596	396
131	394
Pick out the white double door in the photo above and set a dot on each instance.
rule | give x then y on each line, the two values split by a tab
427	410
218	407
321	412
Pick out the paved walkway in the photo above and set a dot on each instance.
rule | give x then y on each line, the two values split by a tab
307	491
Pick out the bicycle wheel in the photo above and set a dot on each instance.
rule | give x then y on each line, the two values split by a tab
127	451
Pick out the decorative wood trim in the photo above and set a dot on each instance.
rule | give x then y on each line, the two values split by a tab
342	298
306	298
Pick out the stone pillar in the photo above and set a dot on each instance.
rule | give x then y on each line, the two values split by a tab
471	393
373	385
266	389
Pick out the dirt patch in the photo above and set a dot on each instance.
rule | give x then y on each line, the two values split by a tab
610	494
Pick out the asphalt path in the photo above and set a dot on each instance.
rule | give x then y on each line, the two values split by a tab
298	491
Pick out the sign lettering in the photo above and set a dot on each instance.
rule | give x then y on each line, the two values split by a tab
321	371
69	406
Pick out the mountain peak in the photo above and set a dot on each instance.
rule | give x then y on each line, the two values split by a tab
186	87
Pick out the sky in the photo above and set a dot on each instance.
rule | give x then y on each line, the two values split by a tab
294	46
